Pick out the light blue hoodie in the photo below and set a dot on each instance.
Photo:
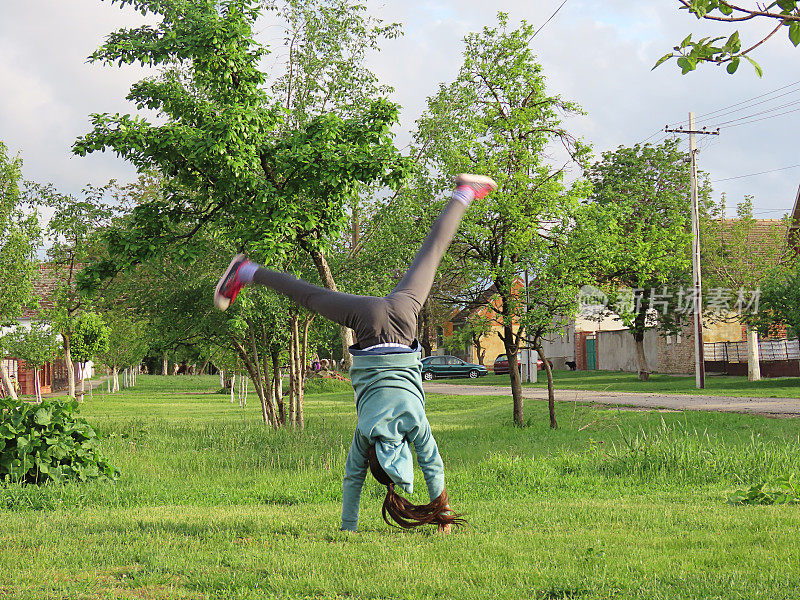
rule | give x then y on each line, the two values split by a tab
390	404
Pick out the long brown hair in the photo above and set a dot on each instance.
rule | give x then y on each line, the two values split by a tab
404	513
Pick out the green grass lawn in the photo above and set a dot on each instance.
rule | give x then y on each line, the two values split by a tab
211	504
616	381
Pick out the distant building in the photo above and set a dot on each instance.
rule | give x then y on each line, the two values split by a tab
593	343
53	375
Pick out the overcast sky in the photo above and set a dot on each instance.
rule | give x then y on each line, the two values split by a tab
596	52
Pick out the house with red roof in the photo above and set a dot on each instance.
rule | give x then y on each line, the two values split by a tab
53	375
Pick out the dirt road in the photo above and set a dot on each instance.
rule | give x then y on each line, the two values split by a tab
773	407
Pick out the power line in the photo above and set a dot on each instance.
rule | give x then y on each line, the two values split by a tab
749	100
763	112
716	112
754	174
652	135
764	118
535	33
735	110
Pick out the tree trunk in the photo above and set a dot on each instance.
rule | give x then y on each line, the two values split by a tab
424	328
254	368
83	380
325	274
7	385
638	330
108	380
302	383
164	365
233	386
268	393
277	386
753	358
551	392
294	368
203	368
115	375
480	351
69	365
512	350
36	389
641	358
267	409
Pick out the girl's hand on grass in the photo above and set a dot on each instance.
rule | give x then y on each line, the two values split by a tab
444	529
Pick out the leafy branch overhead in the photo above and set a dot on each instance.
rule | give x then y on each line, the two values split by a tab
690	52
231	157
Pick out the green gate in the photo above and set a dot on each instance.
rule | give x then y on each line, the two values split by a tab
591	354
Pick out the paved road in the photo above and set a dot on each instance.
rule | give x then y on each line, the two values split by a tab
776	407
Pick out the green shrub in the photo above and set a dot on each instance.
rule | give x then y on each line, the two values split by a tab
787	492
48	442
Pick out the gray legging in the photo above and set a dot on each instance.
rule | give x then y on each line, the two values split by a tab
391	319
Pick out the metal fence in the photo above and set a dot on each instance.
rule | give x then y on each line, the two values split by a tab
736	352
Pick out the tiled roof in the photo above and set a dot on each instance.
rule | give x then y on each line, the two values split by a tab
483	299
44	288
767	237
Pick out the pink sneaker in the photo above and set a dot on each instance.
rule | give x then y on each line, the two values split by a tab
480	185
229	284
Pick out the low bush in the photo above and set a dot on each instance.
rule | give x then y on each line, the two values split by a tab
787	492
48	442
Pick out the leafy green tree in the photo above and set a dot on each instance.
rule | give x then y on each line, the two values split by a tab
265	171
72	233
229	165
36	346
325	73
730	50
738	254
497	118
780	299
642	197
472	332
19	239
90	340
551	293
127	344
174	298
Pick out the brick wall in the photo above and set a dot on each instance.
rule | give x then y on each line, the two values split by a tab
676	352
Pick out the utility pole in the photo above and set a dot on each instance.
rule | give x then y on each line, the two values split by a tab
699	361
